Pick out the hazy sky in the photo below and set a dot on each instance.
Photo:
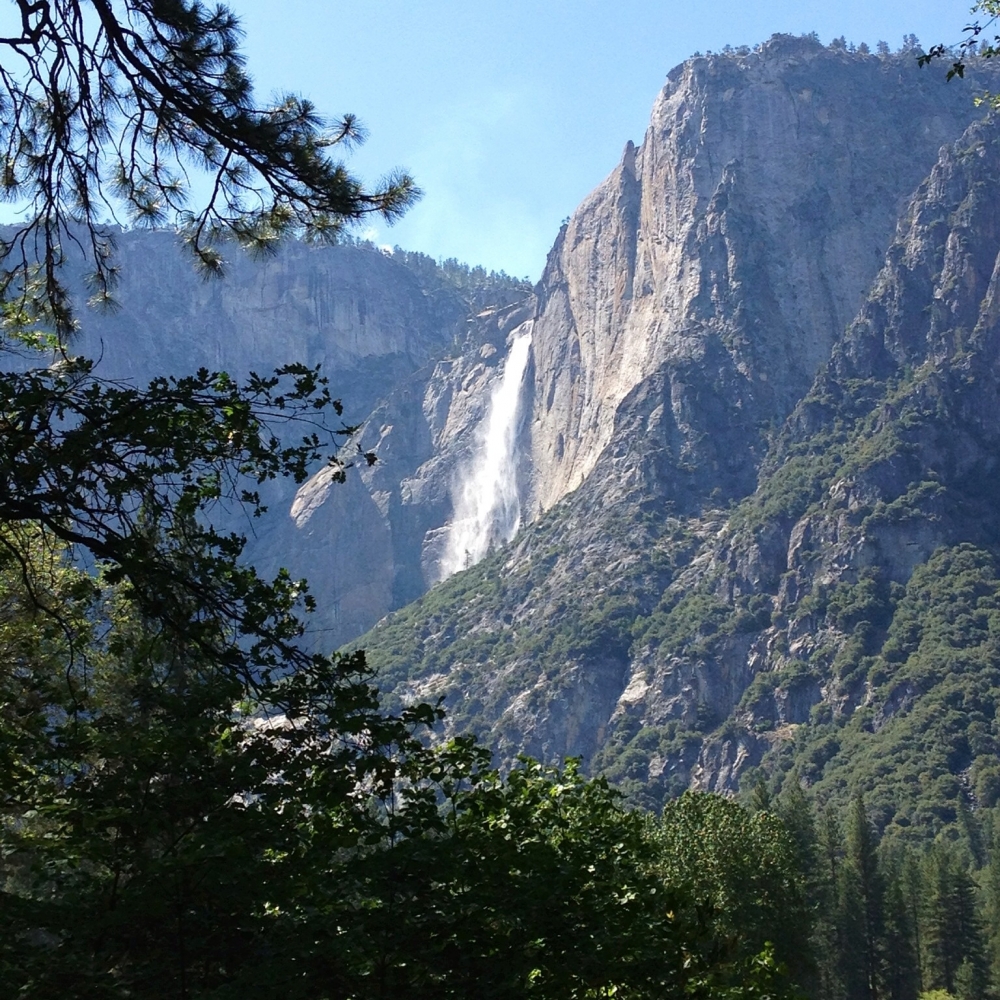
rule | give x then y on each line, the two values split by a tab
508	112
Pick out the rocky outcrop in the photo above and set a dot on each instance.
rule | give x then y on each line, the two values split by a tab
424	435
715	268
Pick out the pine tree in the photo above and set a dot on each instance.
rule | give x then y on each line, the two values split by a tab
760	798
912	883
108	107
829	944
972	834
861	907
900	964
954	938
796	813
991	911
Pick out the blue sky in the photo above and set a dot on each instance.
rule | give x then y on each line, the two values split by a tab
508	112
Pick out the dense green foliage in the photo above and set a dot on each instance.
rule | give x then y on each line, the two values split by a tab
542	886
926	741
892	921
192	806
169	828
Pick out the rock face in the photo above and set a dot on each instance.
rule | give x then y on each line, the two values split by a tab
396	512
688	303
368	319
725	255
756	428
763	421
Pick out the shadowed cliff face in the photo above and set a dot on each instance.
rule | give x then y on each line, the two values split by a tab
366	318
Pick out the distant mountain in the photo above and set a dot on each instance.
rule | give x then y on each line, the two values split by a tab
371	317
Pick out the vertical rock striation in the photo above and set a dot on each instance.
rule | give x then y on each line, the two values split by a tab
725	255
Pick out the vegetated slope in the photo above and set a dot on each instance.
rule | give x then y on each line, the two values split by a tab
883	493
838	623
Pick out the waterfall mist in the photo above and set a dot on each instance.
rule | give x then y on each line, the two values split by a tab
487	509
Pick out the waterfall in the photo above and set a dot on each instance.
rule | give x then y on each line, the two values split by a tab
487	509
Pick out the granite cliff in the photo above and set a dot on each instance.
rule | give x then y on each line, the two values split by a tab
686	305
371	318
760	415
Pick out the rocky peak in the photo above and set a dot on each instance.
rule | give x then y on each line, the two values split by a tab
685	307
764	428
748	225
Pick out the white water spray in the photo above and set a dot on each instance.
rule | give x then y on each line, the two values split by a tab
487	507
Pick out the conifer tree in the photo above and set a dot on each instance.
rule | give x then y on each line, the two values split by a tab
110	106
106	109
900	966
955	952
829	935
971	833
760	798
912	884
861	907
991	911
796	812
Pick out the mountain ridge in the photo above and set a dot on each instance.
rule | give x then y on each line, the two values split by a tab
638	284
753	429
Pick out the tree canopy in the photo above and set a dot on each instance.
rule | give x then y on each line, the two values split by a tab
107	107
